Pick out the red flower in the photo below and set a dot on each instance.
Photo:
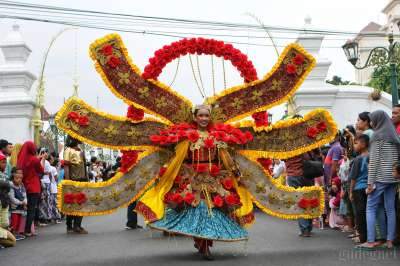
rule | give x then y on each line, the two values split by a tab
260	118
128	159
235	140
178	179
172	139
107	49
265	162
181	134
298	59
113	61
218	201
218	135
83	120
214	171
312	132
291	69
183	126
80	198
227	183
321	126
163	140
136	114
219	127
193	136
248	136
177	198
69	198
201	168
189	198
314	202
168	197
226	138
183	186
162	171
73	116
155	138
209	143
231	199
303	203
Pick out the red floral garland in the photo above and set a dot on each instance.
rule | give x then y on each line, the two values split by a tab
199	46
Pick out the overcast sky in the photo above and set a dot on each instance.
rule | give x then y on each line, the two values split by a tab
348	15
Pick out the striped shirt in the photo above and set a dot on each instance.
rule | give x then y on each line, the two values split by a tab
383	154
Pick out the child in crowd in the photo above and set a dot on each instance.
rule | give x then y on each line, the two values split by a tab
7	239
55	214
3	166
359	178
345	209
335	220
19	203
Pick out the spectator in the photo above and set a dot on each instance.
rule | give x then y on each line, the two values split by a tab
7	239
6	149
383	152
55	214
396	117
3	166
45	196
335	220
396	122
363	124
74	169
359	178
19	203
296	179
331	163
14	154
32	168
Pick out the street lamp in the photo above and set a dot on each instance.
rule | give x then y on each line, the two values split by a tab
54	130
378	56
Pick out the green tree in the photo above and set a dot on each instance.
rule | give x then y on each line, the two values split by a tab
380	78
336	80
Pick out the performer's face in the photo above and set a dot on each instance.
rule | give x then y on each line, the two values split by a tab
202	118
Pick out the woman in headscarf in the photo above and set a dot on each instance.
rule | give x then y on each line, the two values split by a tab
384	151
32	167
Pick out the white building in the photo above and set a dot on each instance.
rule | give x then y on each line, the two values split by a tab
16	102
373	35
344	102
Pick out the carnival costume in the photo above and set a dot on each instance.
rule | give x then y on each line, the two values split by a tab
199	183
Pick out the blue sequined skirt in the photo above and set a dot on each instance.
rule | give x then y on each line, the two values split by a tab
198	222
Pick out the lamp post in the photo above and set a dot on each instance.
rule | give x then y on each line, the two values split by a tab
378	56
54	130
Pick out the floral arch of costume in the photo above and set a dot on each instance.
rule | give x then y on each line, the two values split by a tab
199	46
171	144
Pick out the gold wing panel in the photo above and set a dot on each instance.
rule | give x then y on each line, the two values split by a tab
89	199
124	79
83	122
293	66
289	138
277	200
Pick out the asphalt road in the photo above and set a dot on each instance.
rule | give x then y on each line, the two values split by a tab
272	242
